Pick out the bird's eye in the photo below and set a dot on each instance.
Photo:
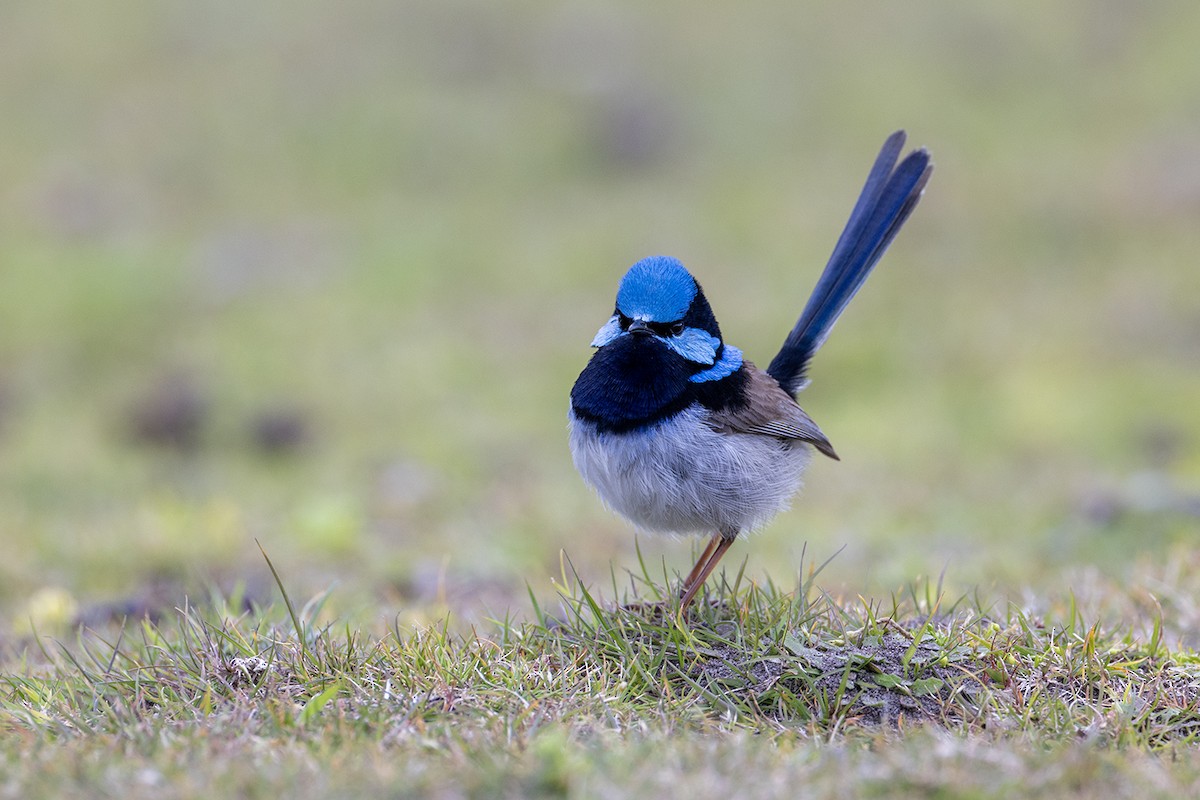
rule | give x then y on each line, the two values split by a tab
623	321
665	329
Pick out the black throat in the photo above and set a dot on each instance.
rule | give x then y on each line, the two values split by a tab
635	382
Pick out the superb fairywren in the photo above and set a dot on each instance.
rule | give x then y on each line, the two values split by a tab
675	429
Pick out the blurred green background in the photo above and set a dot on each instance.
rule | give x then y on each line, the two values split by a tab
321	275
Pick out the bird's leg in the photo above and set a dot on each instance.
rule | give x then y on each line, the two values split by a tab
695	573
716	548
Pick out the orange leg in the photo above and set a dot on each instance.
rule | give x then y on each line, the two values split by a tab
700	562
708	561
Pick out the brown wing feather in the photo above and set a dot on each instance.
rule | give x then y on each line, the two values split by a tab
770	411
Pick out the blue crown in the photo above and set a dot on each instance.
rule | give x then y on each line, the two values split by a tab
656	289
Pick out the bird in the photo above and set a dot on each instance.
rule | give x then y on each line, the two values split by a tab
676	430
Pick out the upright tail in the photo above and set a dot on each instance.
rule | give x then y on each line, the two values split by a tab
889	196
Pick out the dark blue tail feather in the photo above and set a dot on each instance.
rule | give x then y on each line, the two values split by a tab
889	196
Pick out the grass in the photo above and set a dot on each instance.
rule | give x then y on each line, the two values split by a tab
591	695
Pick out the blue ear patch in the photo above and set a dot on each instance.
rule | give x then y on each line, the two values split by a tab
695	345
656	289
610	331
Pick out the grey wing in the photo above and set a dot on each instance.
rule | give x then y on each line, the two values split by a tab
800	427
770	411
805	431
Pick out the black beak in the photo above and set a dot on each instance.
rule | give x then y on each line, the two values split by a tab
640	328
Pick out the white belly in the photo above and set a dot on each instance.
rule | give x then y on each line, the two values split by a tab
680	476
